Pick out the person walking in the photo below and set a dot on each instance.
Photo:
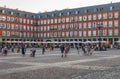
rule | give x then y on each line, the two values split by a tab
23	50
77	47
66	50
62	49
43	49
33	51
5	50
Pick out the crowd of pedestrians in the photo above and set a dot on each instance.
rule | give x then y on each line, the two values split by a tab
64	49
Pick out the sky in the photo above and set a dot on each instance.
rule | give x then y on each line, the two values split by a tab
36	6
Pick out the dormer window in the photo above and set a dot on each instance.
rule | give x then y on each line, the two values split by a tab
68	13
76	12
18	14
52	15
111	7
33	16
11	13
39	17
60	14
3	11
26	15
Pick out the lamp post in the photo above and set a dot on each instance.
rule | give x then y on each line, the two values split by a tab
99	38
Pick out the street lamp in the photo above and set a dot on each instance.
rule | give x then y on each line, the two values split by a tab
99	28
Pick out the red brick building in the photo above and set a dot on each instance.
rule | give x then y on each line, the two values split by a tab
79	24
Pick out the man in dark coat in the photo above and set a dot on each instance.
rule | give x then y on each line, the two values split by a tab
23	50
62	49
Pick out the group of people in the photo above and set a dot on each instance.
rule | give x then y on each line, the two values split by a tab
64	50
87	50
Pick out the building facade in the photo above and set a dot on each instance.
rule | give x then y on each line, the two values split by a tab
79	24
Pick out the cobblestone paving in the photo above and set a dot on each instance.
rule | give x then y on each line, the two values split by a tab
101	65
48	73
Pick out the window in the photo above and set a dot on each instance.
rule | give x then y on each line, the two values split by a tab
116	15
44	34
67	34
75	18
16	33
31	21
41	28
89	33
20	20
67	19
48	21
116	32
3	18
55	20
71	34
11	13
24	20
8	33
80	18
94	24
31	28
44	28
94	17
12	26
51	20
3	33
110	32
12	33
110	15
63	34
35	29
48	34
116	23
68	13
8	18
84	25
16	27
111	7
104	23
24	27
45	21
80	33
75	33
84	33
4	26
53	15
3	11
48	28
59	20
63	20
84	18
110	23
89	25
104	15
28	34
94	33
80	25
28	21
99	16
24	34
71	19
8	26
12	19
104	32
28	28
76	12
60	14
89	17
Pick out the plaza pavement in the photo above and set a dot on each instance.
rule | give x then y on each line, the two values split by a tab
101	65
